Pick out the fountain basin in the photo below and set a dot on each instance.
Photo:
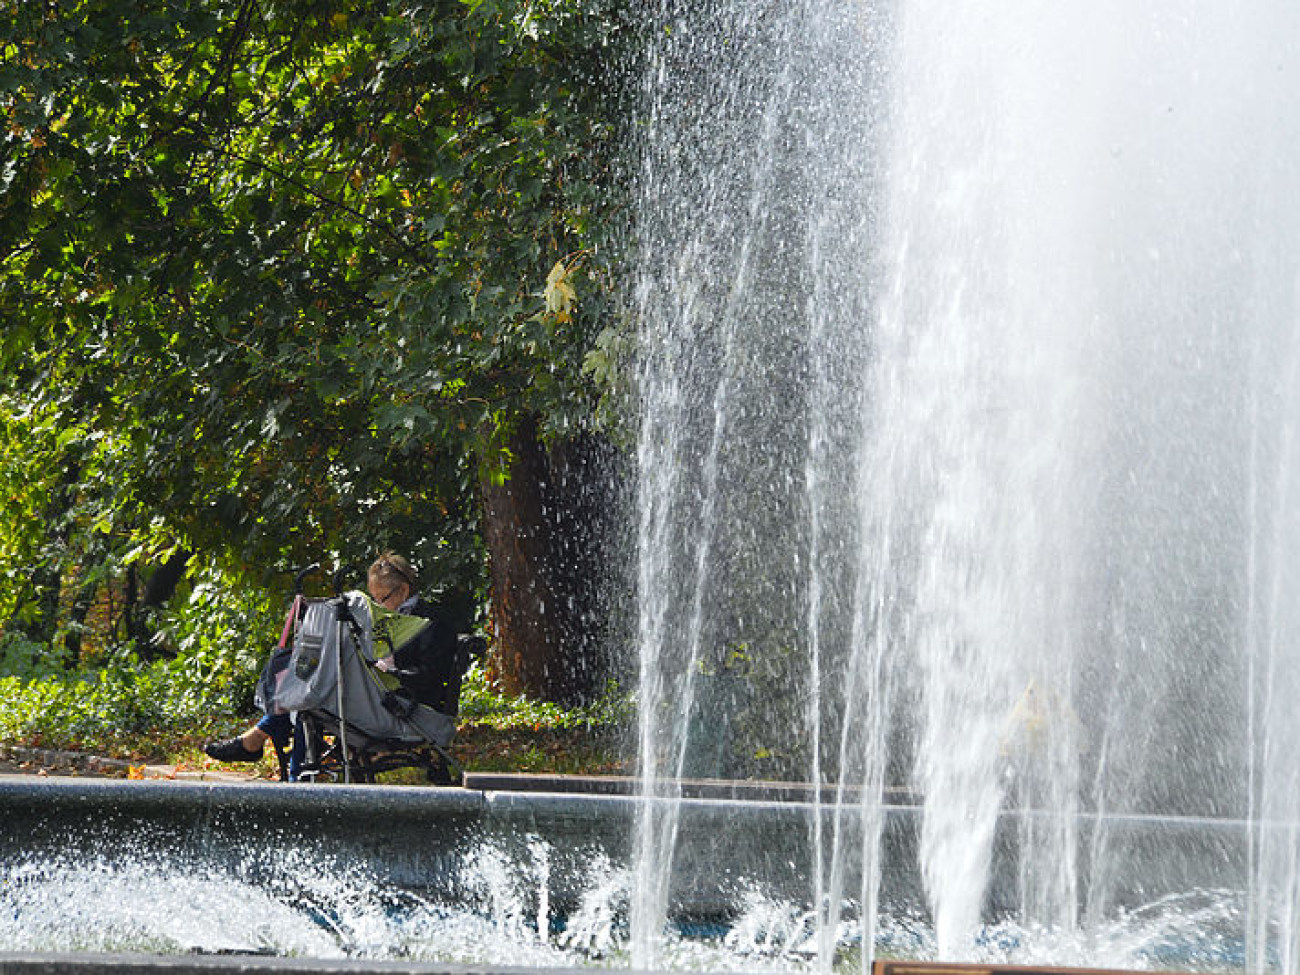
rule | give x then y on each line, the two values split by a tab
533	867
415	838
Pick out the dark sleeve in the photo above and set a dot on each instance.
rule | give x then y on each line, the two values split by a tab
432	656
434	642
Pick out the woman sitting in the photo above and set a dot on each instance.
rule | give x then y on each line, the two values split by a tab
428	667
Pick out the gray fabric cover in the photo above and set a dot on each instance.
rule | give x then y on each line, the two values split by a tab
312	679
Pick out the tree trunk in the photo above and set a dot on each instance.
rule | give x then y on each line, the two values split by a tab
159	587
164	579
47	576
553	555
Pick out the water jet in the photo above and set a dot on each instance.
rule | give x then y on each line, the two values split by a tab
967	453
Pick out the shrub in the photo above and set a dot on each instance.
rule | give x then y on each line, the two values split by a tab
214	643
483	704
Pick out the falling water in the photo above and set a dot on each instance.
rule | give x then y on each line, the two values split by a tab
755	263
968	432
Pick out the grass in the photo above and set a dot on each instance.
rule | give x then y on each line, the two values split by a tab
146	715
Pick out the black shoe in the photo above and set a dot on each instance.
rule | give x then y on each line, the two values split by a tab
231	750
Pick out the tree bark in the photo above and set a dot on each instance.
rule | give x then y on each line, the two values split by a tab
164	579
549	531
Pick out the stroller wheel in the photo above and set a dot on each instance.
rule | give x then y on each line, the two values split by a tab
438	774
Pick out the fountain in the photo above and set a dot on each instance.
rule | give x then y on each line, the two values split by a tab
967	451
968	497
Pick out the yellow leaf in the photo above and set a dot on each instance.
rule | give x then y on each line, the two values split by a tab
560	294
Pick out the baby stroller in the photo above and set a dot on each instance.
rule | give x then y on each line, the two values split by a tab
353	721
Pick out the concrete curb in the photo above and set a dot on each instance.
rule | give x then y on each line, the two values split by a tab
741	790
599	785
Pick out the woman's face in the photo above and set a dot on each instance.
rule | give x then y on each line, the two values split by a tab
386	595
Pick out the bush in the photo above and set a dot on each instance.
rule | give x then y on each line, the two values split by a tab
21	657
213	643
483	704
219	639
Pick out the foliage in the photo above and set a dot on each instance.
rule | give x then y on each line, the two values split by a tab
123	703
20	657
220	636
277	278
111	710
482	704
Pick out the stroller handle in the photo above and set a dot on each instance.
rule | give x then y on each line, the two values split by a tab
341	573
302	574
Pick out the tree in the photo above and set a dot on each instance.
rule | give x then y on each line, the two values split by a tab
274	275
552	530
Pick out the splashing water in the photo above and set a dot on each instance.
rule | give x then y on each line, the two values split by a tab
971	337
135	897
279	900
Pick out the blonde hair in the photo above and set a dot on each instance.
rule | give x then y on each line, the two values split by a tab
391	570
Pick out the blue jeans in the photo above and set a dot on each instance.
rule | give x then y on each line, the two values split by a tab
280	728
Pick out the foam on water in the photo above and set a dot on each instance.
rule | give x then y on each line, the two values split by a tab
306	905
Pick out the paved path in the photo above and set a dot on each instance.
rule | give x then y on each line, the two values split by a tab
16	760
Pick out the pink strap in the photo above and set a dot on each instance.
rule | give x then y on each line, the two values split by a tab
288	622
